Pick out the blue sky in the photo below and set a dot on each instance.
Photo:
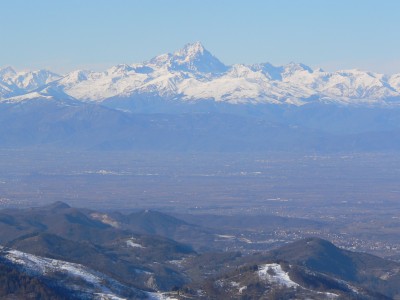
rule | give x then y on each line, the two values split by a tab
71	34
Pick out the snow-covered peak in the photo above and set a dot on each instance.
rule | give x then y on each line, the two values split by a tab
7	72
75	77
243	71
281	72
192	58
394	82
271	71
30	80
191	50
195	58
14	83
121	69
160	60
293	68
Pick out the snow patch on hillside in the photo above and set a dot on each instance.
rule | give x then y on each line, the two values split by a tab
103	296
105	219
274	273
132	243
161	296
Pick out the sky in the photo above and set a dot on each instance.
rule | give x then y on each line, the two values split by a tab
95	34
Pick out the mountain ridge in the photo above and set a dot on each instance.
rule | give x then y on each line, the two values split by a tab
194	74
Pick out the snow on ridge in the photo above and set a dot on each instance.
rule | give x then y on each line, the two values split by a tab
94	282
27	80
25	97
43	265
193	74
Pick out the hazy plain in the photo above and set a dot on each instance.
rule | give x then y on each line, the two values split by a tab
353	195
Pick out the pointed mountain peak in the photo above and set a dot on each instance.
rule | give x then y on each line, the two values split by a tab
292	66
191	50
76	76
273	72
120	69
7	71
195	58
45	72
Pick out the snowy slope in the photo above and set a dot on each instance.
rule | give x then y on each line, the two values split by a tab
394	81
14	83
73	276
274	273
193	73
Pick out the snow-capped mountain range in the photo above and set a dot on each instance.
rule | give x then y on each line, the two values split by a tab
192	74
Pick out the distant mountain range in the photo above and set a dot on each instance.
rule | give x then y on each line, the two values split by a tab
191	101
193	74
